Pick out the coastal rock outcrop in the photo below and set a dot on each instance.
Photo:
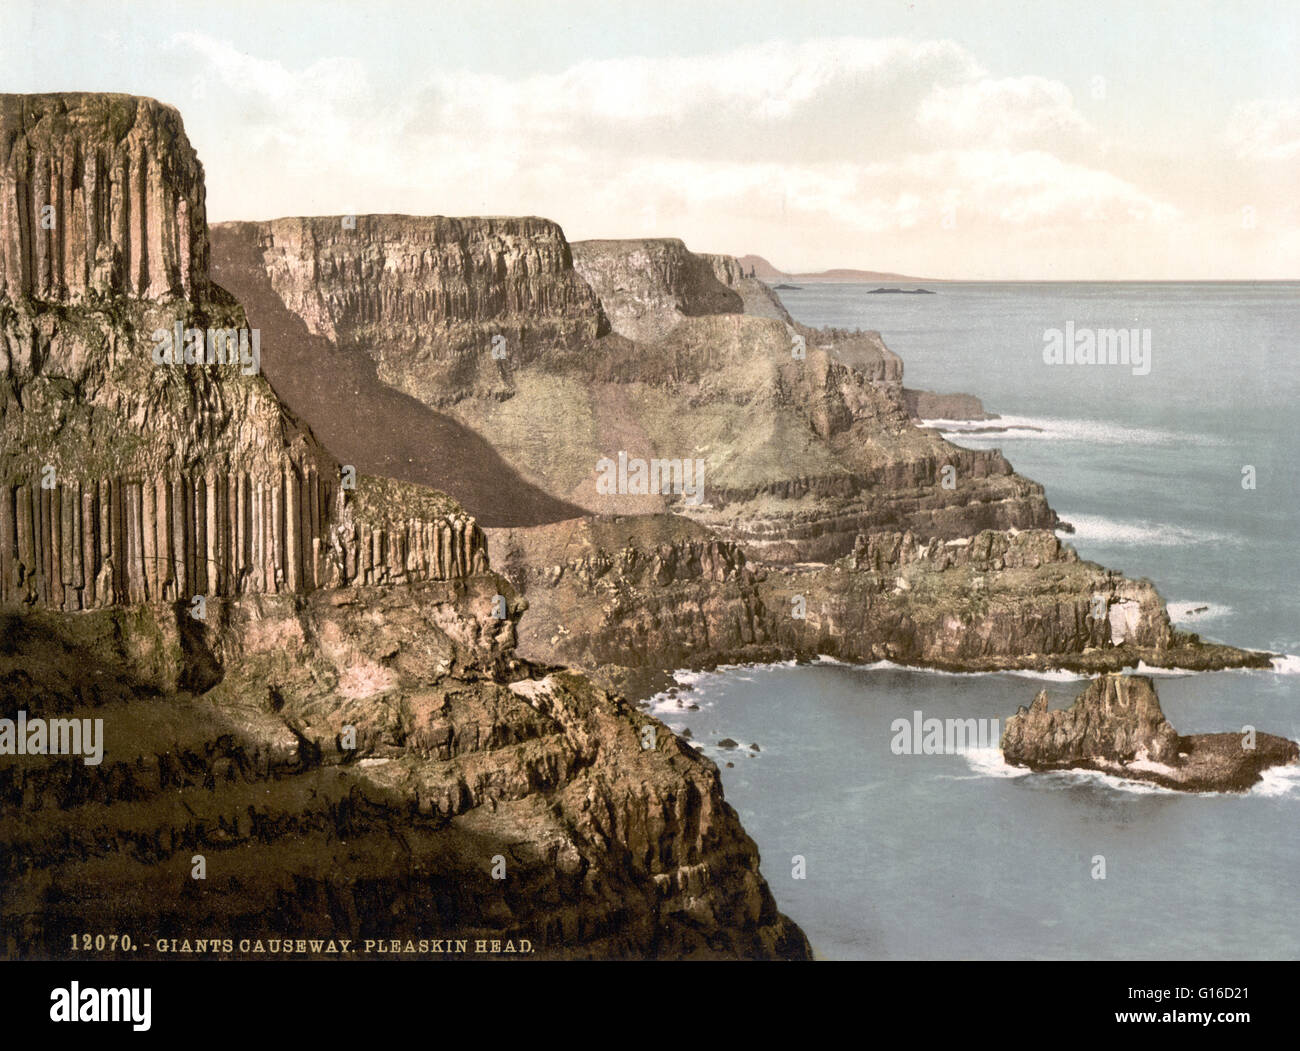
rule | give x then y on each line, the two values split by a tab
647	286
343	727
628	598
804	435
444	305
1116	726
927	405
358	763
810	479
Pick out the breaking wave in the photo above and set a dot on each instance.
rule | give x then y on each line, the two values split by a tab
1048	428
1099	529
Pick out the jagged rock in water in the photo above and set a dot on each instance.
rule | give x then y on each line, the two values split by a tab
1116	725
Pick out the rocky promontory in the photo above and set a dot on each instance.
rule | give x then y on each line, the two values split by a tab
927	405
803	434
1116	726
630	597
646	286
307	676
819	491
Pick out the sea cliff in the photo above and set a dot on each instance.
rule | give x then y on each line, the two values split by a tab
818	491
307	676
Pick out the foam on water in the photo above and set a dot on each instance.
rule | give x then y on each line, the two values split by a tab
989	762
1143	668
1049	675
1049	428
1070	778
1278	781
1100	529
1287	664
665	704
1196	612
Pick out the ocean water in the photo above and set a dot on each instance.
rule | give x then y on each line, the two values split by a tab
1148	468
958	856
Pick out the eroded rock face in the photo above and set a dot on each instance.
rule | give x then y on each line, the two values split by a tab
927	405
1116	718
428	297
124	478
1116	725
648	594
757	298
987	551
345	732
647	286
629	599
804	433
100	194
354	764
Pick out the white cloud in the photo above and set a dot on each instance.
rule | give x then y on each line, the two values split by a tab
1265	130
1005	112
888	153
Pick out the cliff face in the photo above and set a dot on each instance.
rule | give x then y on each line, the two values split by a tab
88	544
808	450
99	195
430	298
647	286
804	435
1116	726
365	422
343	730
803	449
126	478
466	761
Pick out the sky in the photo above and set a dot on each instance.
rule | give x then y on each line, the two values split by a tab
1113	140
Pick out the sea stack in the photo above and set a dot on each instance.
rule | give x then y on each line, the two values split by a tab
1116	726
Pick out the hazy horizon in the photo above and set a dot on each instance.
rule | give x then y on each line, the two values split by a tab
1008	141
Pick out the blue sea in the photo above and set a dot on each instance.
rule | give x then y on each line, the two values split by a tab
879	855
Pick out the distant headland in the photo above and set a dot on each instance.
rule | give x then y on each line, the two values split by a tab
757	266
